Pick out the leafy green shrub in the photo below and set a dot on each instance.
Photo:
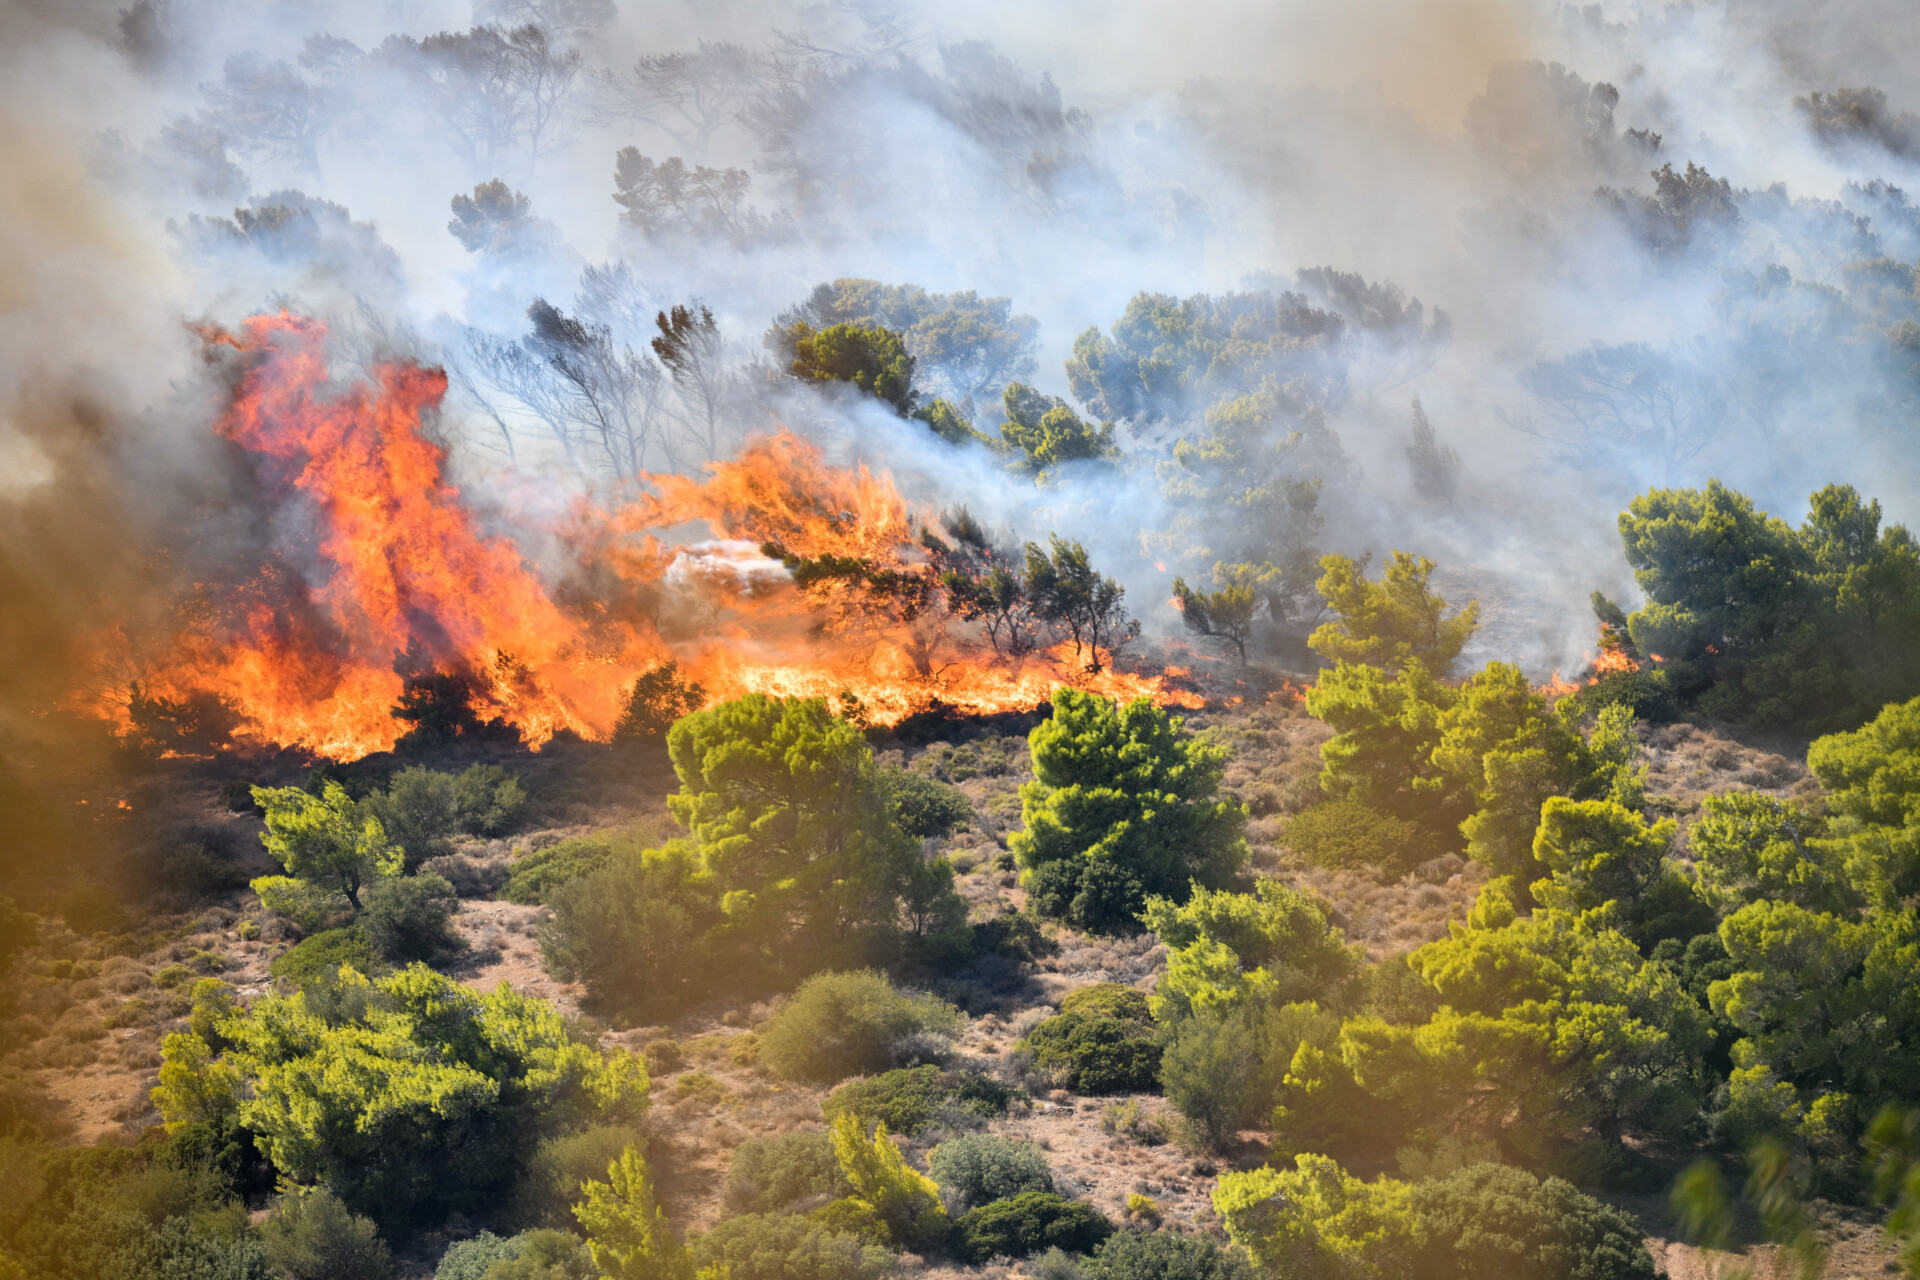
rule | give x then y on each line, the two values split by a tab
315	1237
843	1024
770	1246
1166	1255
982	1167
638	931
412	1097
539	873
1123	806
544	1254
774	1174
1026	1224
422	810
922	807
469	1259
1103	1040
550	1181
324	953
908	1099
1492	1219
1343	835
405	918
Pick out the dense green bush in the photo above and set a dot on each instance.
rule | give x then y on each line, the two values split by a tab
978	1168
315	1237
1342	835
1492	1219
549	1182
1026	1224
422	810
843	1024
922	807
469	1259
1167	1255
774	1174
772	1246
538	874
639	931
1103	1040
412	1097
406	918
543	1254
1123	806
908	1099
323	954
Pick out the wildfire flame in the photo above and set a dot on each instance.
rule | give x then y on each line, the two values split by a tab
308	649
1613	659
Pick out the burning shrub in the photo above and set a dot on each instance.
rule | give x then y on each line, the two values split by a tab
843	1024
1122	807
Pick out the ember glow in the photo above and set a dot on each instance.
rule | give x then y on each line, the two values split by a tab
394	574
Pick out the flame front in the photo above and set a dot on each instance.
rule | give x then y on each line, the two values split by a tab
307	650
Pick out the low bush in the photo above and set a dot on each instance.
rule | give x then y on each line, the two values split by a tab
1166	1255
540	1254
550	1181
784	1173
980	1168
324	953
1343	835
1026	1224
1103	1040
535	876
770	1246
843	1024
922	807
405	918
469	1259
908	1099
1493	1219
315	1237
638	931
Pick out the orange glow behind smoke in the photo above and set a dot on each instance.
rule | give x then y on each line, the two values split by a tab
305	655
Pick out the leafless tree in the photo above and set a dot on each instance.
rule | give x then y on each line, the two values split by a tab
689	96
280	111
602	402
498	92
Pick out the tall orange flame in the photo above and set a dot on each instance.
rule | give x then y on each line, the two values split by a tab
397	570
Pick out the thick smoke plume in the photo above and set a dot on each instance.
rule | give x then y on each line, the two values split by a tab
1469	277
